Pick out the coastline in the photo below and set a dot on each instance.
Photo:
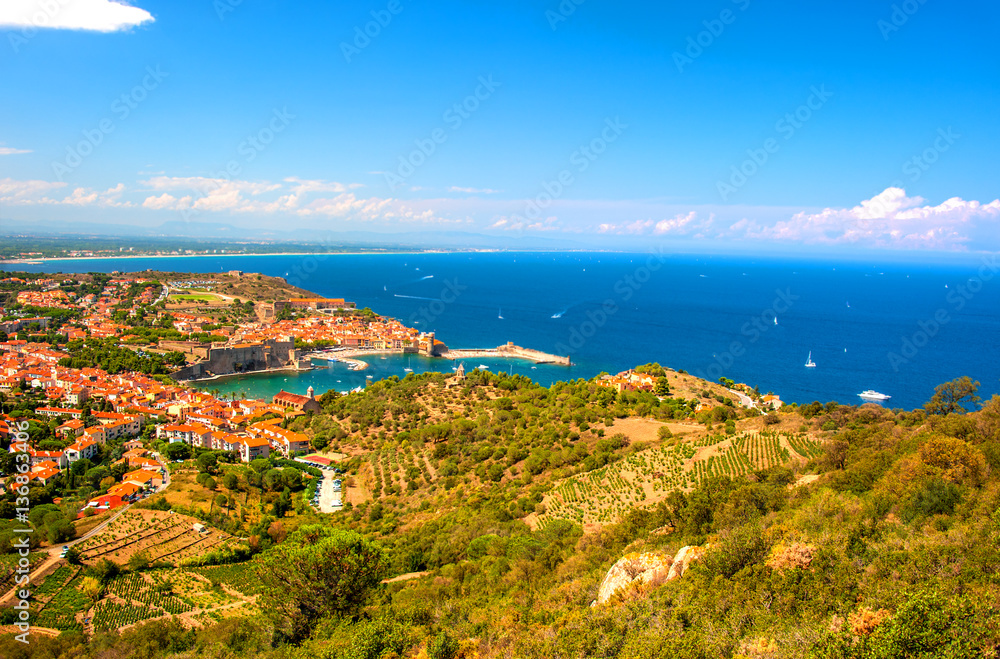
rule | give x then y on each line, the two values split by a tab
46	259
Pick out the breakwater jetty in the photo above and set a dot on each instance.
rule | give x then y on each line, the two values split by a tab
507	351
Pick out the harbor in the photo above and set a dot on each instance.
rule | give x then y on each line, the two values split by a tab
350	356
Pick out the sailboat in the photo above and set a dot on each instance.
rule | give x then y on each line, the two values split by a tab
499	313
407	368
809	361
775	320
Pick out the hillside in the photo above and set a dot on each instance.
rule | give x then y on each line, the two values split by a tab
821	531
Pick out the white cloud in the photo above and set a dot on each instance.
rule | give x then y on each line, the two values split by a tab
455	188
11	151
683	224
26	192
93	15
890	219
162	202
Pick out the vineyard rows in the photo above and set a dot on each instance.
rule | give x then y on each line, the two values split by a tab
61	611
110	615
605	494
238	576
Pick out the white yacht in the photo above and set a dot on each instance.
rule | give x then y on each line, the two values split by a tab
873	395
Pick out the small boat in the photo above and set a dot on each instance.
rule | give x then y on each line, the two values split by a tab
408	369
809	361
873	395
775	320
499	313
369	377
484	367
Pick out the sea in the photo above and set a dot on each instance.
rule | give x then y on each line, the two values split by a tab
894	326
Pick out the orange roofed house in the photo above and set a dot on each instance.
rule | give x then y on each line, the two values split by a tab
282	440
290	401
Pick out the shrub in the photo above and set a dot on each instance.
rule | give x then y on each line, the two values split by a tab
378	638
443	646
740	548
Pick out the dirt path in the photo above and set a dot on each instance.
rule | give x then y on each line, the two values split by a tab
53	552
406	577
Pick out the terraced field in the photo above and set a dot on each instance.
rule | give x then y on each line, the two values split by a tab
161	536
645	478
196	595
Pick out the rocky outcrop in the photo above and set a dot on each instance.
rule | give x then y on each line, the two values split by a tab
645	570
632	570
683	559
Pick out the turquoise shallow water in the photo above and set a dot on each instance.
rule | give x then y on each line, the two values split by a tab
334	375
896	327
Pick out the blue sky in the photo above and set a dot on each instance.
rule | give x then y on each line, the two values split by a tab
837	125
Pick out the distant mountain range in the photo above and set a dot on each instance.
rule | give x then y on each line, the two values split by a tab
207	230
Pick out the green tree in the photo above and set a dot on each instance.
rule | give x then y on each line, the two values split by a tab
662	387
319	573
208	462
952	397
178	451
